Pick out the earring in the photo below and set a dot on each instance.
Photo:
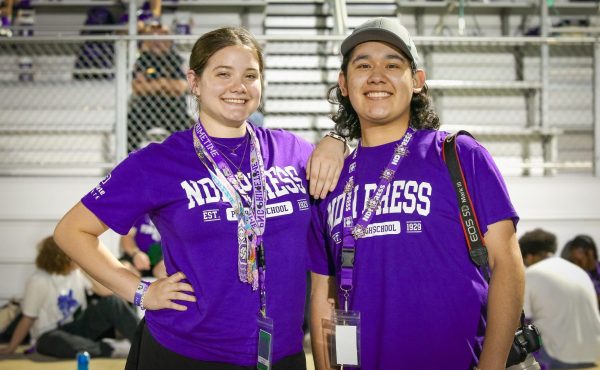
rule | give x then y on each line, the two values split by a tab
193	106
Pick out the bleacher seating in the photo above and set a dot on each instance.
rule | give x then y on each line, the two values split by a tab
492	88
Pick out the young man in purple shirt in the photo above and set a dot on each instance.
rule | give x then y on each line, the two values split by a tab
422	303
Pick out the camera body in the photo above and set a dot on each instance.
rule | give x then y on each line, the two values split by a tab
527	340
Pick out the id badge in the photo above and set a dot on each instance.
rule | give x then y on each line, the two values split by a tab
265	343
345	340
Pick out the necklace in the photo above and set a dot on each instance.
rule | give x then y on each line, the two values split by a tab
239	174
235	148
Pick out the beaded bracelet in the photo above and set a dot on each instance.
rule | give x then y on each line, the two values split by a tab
140	292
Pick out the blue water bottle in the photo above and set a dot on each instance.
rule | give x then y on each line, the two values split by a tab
83	360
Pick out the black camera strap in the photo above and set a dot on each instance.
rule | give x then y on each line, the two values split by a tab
470	225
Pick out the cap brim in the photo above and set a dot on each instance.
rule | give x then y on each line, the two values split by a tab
375	35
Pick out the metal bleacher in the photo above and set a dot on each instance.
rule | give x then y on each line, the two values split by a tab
491	85
535	113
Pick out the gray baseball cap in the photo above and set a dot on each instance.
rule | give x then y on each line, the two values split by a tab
382	29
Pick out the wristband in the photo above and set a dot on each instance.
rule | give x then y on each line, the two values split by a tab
138	298
334	135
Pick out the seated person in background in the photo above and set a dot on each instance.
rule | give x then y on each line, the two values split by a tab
159	88
95	56
58	317
142	250
147	12
582	252
6	8
561	301
6	18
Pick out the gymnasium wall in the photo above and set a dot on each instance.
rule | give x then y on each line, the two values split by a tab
31	207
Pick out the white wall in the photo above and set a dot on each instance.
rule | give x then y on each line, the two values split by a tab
31	206
566	206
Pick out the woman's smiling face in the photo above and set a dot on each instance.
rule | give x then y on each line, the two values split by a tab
230	86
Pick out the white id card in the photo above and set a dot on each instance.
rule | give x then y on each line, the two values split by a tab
345	341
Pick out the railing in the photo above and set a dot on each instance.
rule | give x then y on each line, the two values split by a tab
67	105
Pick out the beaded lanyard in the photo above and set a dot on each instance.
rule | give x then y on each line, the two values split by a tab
353	232
251	218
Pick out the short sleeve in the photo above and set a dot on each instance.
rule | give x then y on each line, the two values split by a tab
123	196
319	253
35	295
485	184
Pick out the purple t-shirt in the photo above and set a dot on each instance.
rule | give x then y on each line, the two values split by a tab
199	238
146	233
421	299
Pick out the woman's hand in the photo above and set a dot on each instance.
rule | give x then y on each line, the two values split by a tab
163	292
324	166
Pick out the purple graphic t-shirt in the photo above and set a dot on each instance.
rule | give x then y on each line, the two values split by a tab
421	299
146	233
199	238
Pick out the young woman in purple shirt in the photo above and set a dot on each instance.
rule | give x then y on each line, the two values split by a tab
231	203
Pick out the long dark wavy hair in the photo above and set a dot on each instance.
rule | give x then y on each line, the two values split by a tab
347	124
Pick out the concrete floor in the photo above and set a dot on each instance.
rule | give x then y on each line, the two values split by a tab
98	364
95	364
39	362
26	364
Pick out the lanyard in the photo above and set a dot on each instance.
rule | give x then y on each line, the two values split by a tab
251	212
353	232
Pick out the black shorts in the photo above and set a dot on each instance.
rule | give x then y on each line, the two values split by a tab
147	354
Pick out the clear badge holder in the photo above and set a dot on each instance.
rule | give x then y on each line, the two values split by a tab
265	343
345	338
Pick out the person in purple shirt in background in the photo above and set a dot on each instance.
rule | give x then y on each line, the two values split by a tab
422	303
231	203
141	248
